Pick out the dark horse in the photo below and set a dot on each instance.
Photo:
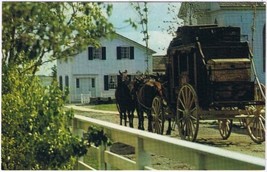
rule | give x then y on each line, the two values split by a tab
124	100
145	91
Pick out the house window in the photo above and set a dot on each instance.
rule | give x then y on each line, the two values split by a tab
96	53
77	83
93	82
110	82
61	82
67	81
125	52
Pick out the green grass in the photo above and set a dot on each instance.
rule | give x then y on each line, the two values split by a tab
108	107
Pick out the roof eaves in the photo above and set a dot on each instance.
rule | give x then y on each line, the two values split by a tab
134	42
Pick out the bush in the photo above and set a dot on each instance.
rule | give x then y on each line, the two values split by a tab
35	133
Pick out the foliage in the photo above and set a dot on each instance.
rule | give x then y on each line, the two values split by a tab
96	136
174	22
34	30
35	132
142	11
54	72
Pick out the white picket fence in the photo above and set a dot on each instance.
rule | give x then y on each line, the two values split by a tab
199	157
85	98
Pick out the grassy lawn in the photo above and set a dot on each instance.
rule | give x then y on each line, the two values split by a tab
108	107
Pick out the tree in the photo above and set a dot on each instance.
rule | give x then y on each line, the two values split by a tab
34	30
174	22
142	11
35	133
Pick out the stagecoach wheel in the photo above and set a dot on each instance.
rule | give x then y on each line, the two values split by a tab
187	113
225	127
158	116
255	123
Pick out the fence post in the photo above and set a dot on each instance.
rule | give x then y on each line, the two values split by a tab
101	157
201	162
78	132
142	157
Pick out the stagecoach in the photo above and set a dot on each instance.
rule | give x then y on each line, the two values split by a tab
210	74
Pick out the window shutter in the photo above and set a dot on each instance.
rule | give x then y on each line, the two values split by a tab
77	83
60	82
103	53
90	53
105	82
67	81
131	52
118	53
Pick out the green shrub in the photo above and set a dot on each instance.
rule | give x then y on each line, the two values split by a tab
35	132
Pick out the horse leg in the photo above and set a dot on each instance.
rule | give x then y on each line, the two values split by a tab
149	116
141	120
168	132
125	118
131	118
120	118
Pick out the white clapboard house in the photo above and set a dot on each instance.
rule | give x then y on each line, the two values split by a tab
93	72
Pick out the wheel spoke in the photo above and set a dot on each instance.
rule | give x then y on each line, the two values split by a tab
182	103
193	110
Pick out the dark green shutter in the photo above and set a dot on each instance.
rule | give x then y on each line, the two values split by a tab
60	83
131	52
105	82
118	52
90	53
103	53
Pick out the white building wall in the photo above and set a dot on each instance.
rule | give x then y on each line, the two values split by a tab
80	67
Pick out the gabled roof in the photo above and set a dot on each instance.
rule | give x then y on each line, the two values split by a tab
119	36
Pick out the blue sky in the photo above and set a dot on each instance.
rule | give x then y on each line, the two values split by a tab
157	14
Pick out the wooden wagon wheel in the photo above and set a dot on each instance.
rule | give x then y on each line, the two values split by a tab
158	115
225	127
255	122
187	113
258	96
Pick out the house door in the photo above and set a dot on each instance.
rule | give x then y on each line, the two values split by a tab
86	86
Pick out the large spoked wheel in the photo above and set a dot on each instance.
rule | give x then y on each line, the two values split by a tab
158	116
187	113
225	127
255	122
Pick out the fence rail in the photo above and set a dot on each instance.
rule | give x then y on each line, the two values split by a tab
200	157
